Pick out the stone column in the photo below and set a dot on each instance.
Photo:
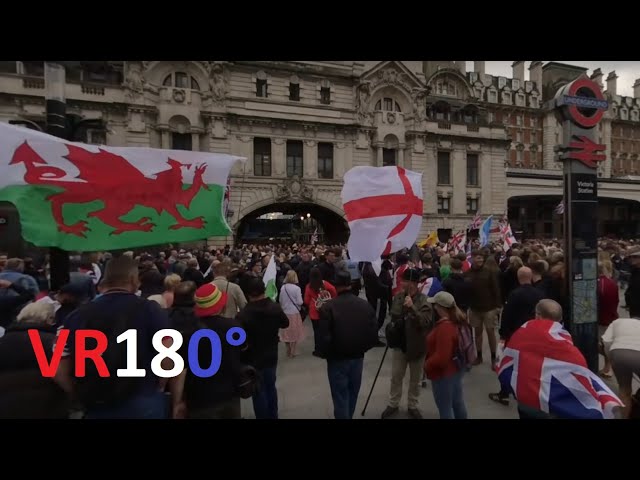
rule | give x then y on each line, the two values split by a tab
195	142
486	177
310	159
379	161
242	145
340	160
166	139
459	182
401	156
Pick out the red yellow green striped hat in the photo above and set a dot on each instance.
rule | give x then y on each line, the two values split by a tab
210	300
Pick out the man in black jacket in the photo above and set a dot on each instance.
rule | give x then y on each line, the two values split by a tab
262	319
10	303
303	269
348	329
632	294
457	286
519	309
327	267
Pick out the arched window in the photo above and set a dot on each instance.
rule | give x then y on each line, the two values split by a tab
441	111
388	105
181	80
446	87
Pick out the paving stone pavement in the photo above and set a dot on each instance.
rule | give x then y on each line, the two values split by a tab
303	387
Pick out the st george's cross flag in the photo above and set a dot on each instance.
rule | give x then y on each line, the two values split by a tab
89	198
383	206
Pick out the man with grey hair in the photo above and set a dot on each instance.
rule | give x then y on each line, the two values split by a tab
549	310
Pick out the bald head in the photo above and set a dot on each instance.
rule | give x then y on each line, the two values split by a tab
549	310
524	276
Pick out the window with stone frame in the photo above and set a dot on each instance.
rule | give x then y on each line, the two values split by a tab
294	158
262	157
473	178
294	92
472	206
181	141
444	168
443	204
325	160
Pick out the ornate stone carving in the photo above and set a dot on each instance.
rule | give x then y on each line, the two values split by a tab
419	97
294	189
179	96
278	141
310	143
362	101
134	82
217	82
244	138
389	76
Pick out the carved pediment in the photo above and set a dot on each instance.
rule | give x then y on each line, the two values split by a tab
294	189
392	73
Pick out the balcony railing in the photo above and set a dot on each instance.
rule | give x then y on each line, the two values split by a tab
92	90
33	82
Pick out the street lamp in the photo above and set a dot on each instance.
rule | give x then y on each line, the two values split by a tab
56	108
308	215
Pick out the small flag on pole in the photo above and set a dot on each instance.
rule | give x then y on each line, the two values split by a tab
314	237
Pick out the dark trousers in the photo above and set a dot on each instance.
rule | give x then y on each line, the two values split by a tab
316	333
150	406
528	413
345	377
379	305
265	402
228	410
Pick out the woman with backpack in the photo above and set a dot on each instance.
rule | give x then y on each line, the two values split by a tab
447	356
317	293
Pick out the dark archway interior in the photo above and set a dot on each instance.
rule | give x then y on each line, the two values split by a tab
331	227
536	217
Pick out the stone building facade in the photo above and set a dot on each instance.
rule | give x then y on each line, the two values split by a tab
478	139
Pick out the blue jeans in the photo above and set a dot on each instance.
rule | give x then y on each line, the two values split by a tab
345	377
447	393
145	406
265	402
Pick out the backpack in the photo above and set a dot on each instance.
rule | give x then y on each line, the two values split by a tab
466	352
92	389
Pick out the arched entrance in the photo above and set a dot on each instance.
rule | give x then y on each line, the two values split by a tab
291	222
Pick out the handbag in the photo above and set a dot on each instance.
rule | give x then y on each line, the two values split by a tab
301	310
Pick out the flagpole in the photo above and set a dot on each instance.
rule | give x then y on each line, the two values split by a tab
56	109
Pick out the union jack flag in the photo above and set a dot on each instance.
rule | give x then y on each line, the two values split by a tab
314	237
476	222
545	371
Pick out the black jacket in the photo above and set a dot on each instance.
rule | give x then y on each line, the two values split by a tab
508	282
457	286
182	318
194	275
303	270
223	386
24	392
348	328
10	302
519	309
632	294
262	321
545	285
328	271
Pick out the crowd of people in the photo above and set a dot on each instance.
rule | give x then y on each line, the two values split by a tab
430	307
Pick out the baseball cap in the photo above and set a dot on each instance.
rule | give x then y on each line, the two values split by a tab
444	299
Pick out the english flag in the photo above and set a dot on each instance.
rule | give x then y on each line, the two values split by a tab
383	206
508	237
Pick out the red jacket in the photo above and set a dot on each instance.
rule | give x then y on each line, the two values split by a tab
310	296
608	298
442	343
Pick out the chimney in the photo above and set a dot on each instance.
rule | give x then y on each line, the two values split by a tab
535	74
612	84
636	89
518	70
596	76
462	67
479	67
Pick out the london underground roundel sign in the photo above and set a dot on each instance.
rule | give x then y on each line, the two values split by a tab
582	102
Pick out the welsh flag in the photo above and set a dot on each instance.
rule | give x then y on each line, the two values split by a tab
269	279
88	198
383	206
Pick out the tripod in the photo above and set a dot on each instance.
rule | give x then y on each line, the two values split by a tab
375	379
